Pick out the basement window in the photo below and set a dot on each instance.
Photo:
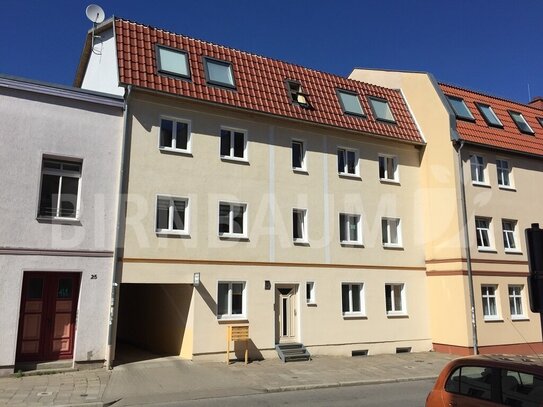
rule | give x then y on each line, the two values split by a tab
297	94
521	122
460	109
488	114
381	110
173	62
219	73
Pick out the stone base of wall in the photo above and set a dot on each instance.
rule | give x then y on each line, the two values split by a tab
6	370
513	349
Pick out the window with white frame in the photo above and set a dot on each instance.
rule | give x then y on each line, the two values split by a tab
504	171
350	229
391	231
299	225
298	155
174	135
482	226
234	144
231	300
59	195
515	301
509	228
310	292
347	161
395	299
232	219
388	168
477	169
171	215
490	304
352	299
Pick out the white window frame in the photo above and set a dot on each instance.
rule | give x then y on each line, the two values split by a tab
516	296
509	235
310	293
304	239
171	230
303	168
490	235
351	313
488	298
229	315
174	148
500	168
395	179
344	172
230	233
403	301
231	156
389	221
348	218
478	170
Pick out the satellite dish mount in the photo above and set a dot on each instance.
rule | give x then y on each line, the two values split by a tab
95	14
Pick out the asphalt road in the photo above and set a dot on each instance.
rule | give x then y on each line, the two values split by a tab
405	394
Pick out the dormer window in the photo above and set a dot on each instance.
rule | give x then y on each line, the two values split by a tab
381	109
460	109
297	94
219	73
488	114
172	61
521	122
350	103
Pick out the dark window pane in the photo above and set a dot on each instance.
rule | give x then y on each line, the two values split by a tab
384	227
345	297
356	298
239	145
453	382
222	299
307	292
237	298
351	162
52	165
179	215
68	199
297	151
341	161
163	209
342	228
166	133
388	297
353	228
35	288
382	165
182	135
238	219
296	225
49	195
225	142
64	288
224	218
476	382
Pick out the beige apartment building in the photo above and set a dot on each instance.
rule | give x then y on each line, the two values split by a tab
265	194
489	149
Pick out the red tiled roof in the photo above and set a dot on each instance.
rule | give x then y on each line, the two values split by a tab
509	137
260	83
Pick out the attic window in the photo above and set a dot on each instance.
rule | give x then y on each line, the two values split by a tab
297	94
173	62
350	103
488	114
460	109
219	73
521	122
540	120
381	109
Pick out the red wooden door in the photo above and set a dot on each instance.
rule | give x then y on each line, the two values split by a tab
47	317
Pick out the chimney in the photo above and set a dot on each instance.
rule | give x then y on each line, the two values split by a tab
537	102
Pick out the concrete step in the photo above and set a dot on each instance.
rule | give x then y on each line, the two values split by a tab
291	352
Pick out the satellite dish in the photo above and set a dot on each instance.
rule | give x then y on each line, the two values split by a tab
95	13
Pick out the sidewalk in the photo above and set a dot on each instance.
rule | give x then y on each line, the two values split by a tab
170	379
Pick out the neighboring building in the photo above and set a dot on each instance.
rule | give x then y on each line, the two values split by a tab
291	195
60	177
496	145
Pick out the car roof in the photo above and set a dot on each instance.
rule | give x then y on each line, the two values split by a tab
532	364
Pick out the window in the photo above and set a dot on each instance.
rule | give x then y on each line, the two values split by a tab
299	225
59	196
310	292
540	120
391	232
471	381
231	300
515	301
233	144
352	299
504	171
350	229
488	114
395	299
381	110
297	94
350	103
460	109
232	219
174	135
490	307
347	161
173	62
477	169
482	226
298	155
520	388
388	168
509	228
521	122
219	73
171	215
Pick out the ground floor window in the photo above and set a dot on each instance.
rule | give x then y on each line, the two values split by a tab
231	299
490	307
352	298
395	298
515	301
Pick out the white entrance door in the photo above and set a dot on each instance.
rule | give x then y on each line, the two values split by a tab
286	313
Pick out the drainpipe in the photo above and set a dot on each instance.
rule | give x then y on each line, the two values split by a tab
116	258
459	146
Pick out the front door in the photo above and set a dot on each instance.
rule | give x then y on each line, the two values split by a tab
286	313
47	317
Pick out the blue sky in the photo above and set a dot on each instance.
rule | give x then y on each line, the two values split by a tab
494	46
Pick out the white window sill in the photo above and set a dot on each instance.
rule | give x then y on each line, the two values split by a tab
172	233
347	243
492	319
238	160
59	220
349	175
233	236
519	318
507	188
480	184
300	242
397	314
175	151
389	181
353	315
300	171
487	249
513	251
393	246
232	319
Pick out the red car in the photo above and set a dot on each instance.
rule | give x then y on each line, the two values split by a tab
489	380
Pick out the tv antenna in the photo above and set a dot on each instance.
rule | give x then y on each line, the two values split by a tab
96	14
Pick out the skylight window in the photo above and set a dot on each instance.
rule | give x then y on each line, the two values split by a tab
381	109
488	114
297	94
460	109
350	103
173	62
540	120
521	122
219	73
